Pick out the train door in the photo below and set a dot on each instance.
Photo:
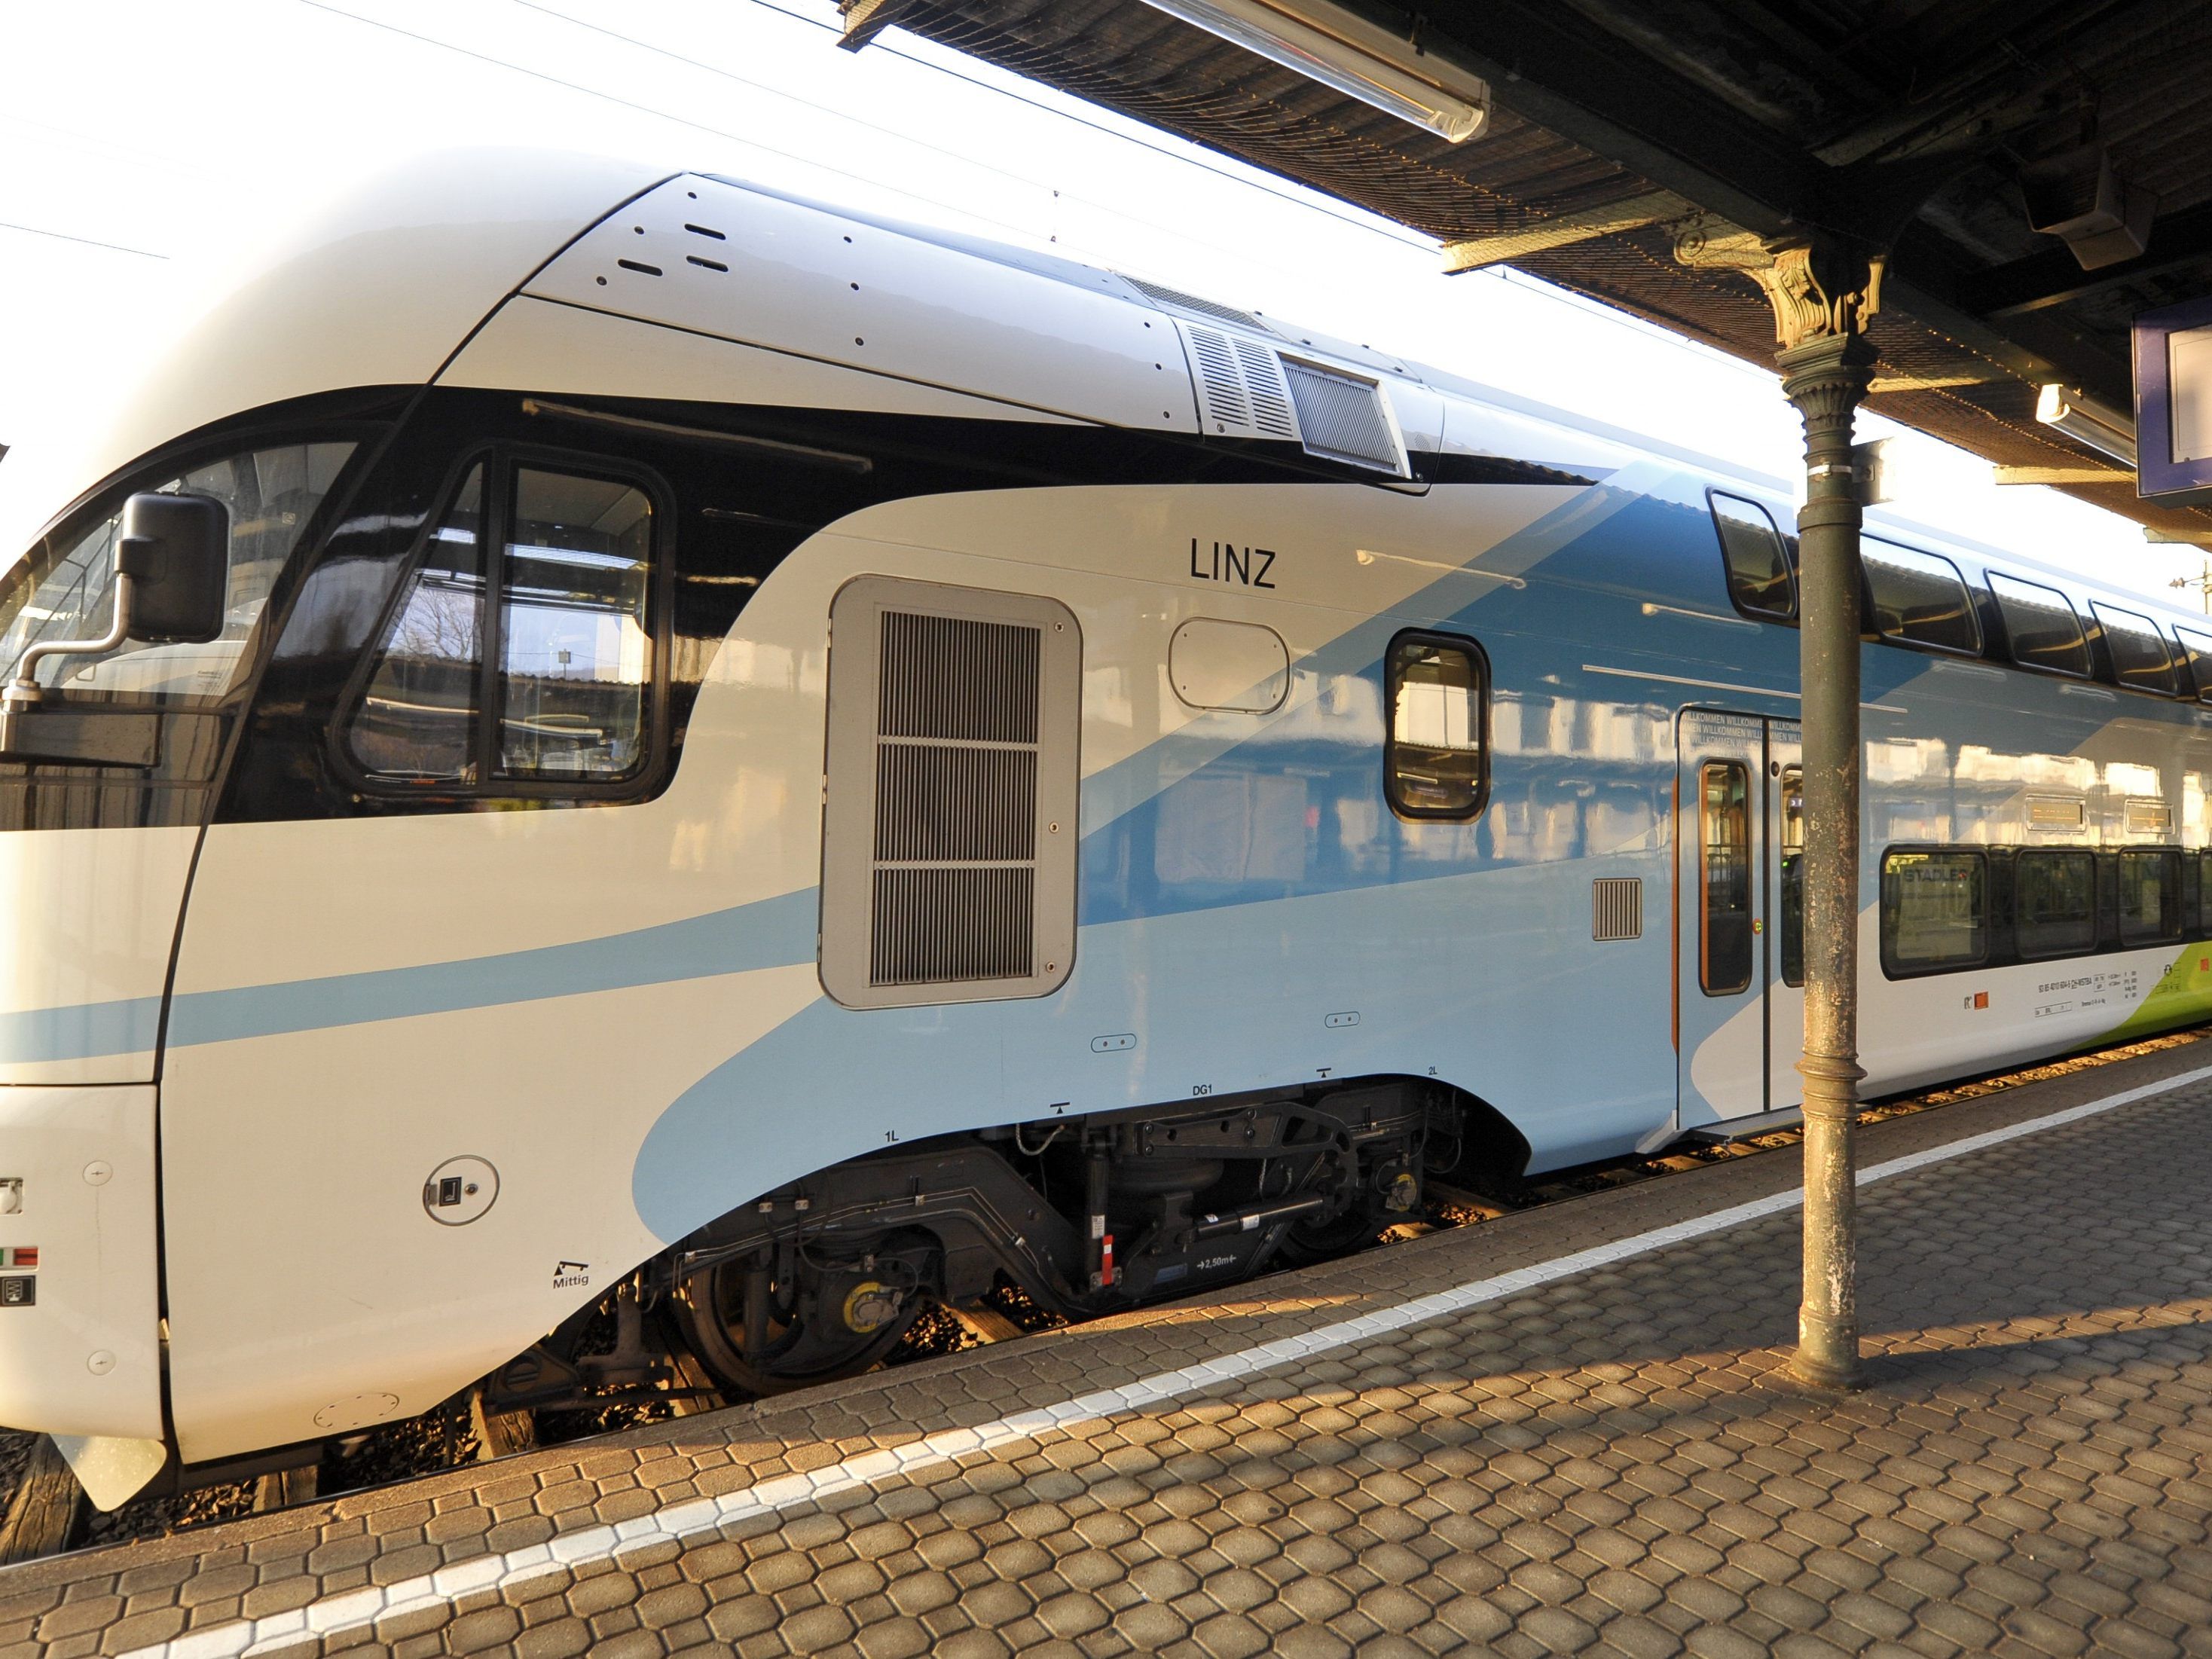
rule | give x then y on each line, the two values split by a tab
1739	1005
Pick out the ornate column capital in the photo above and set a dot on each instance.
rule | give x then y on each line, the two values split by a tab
1816	286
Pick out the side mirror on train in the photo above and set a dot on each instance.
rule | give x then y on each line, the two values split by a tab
176	550
172	574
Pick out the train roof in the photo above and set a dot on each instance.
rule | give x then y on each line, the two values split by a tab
390	283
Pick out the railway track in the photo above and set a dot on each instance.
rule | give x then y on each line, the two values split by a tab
42	1513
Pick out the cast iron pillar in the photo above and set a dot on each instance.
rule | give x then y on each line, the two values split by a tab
1826	377
1823	292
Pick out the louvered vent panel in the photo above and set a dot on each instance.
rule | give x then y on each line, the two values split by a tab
1181	301
943	802
950	676
1263	384
949	815
956	804
1617	907
947	927
1341	417
1216	373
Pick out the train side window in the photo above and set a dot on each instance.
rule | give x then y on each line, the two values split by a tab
2151	897
1724	937
2140	660
2045	631
2204	892
1918	598
2197	649
2054	903
417	722
1760	578
1792	876
1935	912
1435	763
519	657
576	657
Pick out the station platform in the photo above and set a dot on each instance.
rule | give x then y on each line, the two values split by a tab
1567	1431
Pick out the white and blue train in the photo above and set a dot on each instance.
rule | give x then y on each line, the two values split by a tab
674	741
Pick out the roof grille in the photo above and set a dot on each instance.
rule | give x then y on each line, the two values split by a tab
1159	293
1263	383
1217	369
1341	417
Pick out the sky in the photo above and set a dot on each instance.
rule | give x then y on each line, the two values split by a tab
148	145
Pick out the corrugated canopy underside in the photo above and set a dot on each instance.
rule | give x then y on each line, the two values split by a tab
1851	115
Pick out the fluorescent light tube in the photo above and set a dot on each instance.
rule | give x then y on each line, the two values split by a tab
2086	421
1327	43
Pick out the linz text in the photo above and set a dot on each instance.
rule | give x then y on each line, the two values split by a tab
1246	566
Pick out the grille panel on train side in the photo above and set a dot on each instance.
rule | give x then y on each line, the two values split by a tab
950	676
946	926
949	808
1341	417
1617	907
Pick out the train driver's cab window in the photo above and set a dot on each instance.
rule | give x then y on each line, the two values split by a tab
520	651
1935	911
1434	762
2140	660
574	655
2054	903
2197	648
2151	897
1917	599
1759	579
1725	935
2042	626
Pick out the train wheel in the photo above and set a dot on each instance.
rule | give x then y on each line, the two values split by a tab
764	1332
1310	1241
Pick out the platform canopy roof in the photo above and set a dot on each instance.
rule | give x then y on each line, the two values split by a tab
1927	126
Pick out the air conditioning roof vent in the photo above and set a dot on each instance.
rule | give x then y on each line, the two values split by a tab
1175	299
1343	417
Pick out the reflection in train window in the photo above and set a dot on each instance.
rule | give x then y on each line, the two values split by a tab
1758	576
1434	764
1935	911
1918	597
2198	649
417	724
2140	658
545	691
2045	631
2054	903
574	655
2150	897
1723	878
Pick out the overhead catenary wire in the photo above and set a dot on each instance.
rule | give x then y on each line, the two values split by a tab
87	241
972	215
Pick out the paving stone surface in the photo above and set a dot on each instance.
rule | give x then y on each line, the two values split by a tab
1612	1461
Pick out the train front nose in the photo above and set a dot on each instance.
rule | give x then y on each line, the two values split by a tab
90	915
80	1319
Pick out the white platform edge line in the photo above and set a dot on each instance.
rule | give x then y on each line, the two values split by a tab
355	1609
